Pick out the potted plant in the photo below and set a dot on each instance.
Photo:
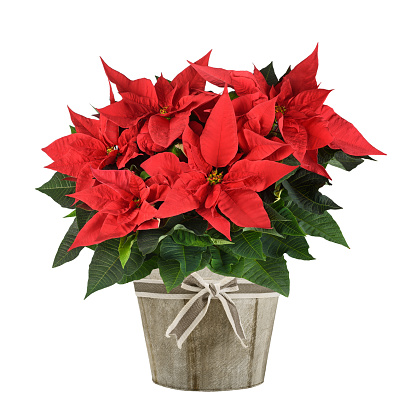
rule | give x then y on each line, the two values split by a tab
196	197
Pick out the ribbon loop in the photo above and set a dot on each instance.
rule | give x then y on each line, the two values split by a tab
194	310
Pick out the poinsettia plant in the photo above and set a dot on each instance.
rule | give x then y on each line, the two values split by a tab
178	178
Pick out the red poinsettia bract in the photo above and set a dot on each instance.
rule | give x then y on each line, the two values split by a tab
166	105
212	179
124	203
96	144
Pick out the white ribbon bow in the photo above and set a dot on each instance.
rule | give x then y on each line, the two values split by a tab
194	310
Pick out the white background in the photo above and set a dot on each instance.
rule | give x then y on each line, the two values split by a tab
343	341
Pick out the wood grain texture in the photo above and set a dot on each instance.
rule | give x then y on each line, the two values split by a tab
212	358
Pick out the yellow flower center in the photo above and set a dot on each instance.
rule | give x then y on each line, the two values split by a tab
215	177
163	110
110	149
280	109
137	202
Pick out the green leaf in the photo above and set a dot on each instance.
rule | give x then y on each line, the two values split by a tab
233	95
290	225
206	257
71	214
325	154
221	242
221	261
188	257
105	268
144	175
63	255
291	161
148	240
272	273
269	74
197	225
188	238
248	244
148	265
303	188
124	248
344	161
83	216
57	188
273	214
294	246
134	262
319	225
272	231
171	273
73	129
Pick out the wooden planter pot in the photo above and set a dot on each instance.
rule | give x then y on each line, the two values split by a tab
212	358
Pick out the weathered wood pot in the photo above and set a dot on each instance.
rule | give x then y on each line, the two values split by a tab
212	357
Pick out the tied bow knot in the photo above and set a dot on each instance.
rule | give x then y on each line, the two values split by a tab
194	310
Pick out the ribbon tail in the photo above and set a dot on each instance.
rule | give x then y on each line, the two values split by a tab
189	317
233	317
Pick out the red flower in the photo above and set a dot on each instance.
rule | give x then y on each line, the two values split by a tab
124	203
206	182
95	144
166	105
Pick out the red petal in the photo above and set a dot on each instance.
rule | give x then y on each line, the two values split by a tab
166	164
264	173
102	197
318	133
311	99
245	103
216	220
303	75
59	147
99	228
118	180
85	125
219	140
243	82
213	195
178	201
282	152
150	224
346	136
85	178
157	192
142	87
259	147
89	147
244	207
191	145
123	114
163	131
261	118
146	143
72	163
294	134
262	83
163	90
189	75
310	162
